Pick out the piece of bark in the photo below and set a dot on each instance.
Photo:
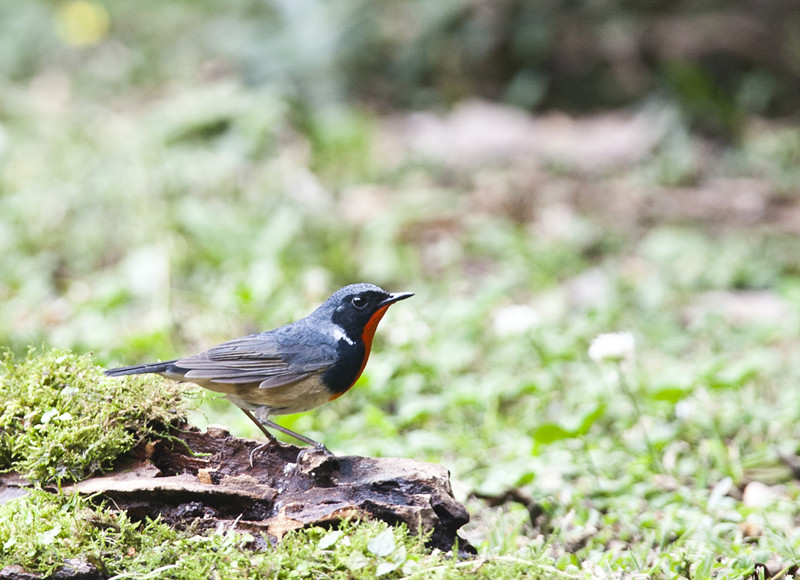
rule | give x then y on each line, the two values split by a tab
17	572
12	486
73	569
286	488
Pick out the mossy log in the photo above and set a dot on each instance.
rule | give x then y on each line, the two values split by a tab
285	488
206	480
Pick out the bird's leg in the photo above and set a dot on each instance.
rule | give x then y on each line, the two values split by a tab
270	437
267	423
258	423
297	436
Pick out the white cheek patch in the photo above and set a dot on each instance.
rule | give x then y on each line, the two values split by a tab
340	334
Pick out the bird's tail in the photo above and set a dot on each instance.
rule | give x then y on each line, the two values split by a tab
159	367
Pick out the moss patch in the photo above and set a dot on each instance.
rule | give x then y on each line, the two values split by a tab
61	418
41	531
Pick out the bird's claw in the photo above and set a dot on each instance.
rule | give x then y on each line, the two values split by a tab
259	448
319	448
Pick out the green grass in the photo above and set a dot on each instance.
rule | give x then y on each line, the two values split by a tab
142	219
41	530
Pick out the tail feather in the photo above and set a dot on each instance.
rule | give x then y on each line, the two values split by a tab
159	367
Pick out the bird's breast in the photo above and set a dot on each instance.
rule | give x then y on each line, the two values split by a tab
297	397
345	371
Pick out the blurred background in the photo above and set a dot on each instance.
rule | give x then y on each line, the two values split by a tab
173	175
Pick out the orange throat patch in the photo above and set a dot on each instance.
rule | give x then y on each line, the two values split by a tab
369	331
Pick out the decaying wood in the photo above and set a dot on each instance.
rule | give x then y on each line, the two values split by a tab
286	488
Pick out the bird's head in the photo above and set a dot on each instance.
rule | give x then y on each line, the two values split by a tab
358	308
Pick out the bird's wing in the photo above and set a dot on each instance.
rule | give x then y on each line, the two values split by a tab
257	359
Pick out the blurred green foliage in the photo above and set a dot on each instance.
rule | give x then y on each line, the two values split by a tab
719	60
153	204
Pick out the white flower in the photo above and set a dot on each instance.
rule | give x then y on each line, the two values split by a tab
612	347
515	320
685	409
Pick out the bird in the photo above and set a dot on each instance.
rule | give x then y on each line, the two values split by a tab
292	368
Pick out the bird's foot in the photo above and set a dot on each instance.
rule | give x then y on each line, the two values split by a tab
319	448
259	448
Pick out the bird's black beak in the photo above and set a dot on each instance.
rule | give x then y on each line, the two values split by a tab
396	297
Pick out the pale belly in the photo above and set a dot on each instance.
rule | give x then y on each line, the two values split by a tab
297	397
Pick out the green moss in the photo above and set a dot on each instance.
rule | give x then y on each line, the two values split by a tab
62	418
41	530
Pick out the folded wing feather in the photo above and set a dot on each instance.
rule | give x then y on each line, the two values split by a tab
258	359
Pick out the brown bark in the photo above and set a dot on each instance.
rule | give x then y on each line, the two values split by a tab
285	488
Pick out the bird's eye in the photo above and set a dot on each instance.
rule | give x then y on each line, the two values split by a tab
359	301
